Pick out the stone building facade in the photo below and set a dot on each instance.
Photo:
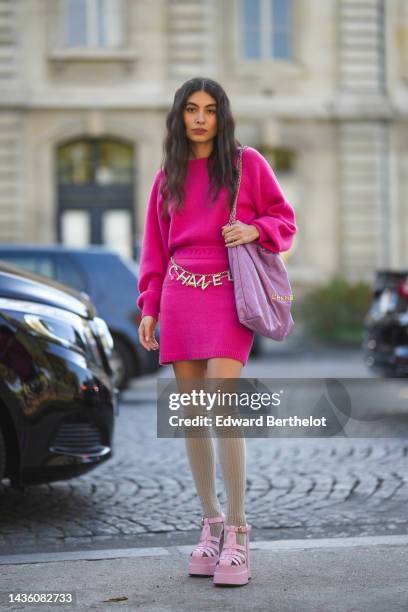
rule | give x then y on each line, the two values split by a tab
320	88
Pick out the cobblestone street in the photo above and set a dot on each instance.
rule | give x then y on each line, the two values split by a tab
296	488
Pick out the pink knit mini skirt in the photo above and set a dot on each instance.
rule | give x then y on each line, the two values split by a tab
200	323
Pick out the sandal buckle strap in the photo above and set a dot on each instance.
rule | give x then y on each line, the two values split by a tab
238	528
212	519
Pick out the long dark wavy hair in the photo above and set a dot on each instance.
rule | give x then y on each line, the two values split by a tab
222	170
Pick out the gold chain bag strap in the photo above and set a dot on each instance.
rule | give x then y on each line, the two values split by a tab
237	186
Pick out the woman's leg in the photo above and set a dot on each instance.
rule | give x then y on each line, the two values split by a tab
200	450
231	450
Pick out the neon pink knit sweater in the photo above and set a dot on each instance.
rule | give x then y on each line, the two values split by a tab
261	202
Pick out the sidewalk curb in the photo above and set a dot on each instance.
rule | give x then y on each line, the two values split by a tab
161	551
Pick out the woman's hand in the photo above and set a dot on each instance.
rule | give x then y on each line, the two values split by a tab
239	233
146	333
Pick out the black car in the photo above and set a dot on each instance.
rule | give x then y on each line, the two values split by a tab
110	281
385	343
57	395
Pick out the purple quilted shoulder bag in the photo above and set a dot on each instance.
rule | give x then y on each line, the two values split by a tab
263	294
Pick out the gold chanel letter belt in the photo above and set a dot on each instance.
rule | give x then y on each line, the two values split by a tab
196	279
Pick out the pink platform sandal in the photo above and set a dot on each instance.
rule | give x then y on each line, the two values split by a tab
204	557
234	565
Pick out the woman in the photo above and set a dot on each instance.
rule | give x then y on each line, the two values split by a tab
185	283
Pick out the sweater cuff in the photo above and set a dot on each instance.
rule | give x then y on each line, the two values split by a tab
263	236
150	307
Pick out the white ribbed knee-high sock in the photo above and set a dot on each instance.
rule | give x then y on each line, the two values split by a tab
232	458
201	457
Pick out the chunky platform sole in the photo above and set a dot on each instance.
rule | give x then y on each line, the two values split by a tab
235	578
198	568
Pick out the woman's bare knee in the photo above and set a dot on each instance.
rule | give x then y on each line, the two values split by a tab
224	367
191	368
225	372
189	375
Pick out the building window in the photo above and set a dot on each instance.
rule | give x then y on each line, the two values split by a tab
93	23
266	28
281	159
98	162
95	179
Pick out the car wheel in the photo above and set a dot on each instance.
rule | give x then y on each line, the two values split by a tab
2	455
122	360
